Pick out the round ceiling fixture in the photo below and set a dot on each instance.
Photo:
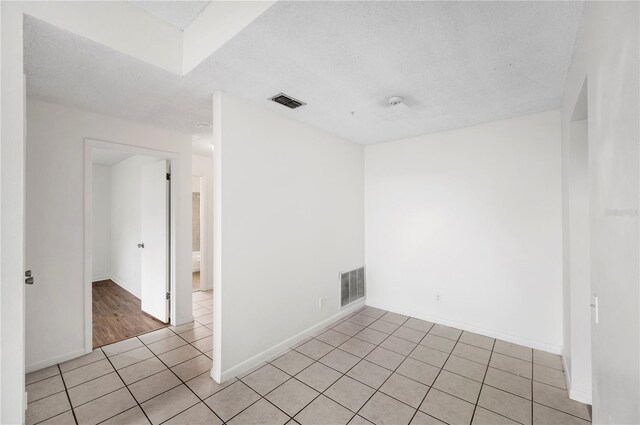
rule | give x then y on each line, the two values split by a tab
203	125
395	100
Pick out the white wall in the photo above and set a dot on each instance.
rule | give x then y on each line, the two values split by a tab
203	166
11	215
195	181
474	216
607	56
101	222
290	205
55	217
126	221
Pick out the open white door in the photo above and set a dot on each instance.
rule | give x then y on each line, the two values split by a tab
155	240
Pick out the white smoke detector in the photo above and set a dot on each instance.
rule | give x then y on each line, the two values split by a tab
395	100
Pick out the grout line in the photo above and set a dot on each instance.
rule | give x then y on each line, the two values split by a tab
405	357
183	382
322	393
67	394
482	383
532	386
333	348
435	379
166	326
48	377
394	371
129	390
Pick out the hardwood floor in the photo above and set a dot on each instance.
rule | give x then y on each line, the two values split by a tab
117	315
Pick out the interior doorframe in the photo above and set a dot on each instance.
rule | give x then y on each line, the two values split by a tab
172	157
203	231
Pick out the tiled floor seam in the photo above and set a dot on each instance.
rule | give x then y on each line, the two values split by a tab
304	383
531	386
341	375
434	381
441	368
483	379
394	371
78	367
363	358
132	336
64	384
182	382
381	385
134	382
261	396
129	390
42	398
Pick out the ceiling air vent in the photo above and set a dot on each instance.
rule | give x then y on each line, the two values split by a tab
287	101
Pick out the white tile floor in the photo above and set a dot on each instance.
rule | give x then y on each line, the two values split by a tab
372	367
141	380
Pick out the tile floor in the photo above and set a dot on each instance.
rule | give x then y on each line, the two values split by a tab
372	367
195	281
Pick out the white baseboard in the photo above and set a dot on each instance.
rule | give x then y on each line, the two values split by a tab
120	283
282	346
580	396
32	367
470	328
182	320
99	278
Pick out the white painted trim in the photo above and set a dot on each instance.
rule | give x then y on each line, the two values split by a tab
577	395
470	328
279	348
204	249
216	369
120	283
567	372
580	396
89	145
100	278
54	360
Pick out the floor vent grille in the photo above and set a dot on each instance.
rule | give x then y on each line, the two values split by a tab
352	286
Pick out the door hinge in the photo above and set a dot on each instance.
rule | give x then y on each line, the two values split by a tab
168	176
168	295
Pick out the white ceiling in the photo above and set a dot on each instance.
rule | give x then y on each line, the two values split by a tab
456	63
180	14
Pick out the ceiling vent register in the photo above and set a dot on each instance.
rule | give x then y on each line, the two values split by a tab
287	101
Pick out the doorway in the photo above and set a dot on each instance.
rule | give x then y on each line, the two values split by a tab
130	260
198	233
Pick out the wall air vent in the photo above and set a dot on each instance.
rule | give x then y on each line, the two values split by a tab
352	286
287	101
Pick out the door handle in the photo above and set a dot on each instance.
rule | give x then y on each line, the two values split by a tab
141	245
28	278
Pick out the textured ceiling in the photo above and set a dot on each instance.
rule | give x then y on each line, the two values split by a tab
455	63
180	14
